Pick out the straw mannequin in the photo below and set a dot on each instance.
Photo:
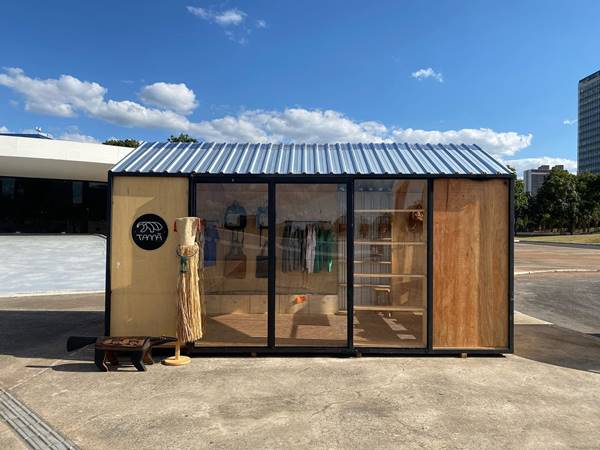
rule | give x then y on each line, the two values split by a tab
189	302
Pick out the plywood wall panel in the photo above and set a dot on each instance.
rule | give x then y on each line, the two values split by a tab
470	263
143	282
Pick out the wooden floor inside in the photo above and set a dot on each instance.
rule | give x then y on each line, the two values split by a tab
371	329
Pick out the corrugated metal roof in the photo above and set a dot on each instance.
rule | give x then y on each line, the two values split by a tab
309	159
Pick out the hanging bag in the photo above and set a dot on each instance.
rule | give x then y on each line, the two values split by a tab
262	260
235	217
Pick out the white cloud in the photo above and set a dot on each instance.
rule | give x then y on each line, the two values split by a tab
66	96
78	137
199	12
301	125
533	163
423	74
58	97
132	114
177	97
569	121
229	17
4	130
498	143
235	37
233	21
291	124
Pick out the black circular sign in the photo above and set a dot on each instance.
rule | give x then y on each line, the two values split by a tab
149	231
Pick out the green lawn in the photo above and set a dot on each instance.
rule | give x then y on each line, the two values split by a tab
593	238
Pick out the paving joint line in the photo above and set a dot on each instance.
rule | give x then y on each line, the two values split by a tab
31	428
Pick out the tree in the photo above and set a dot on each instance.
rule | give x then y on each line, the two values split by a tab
522	204
123	142
182	138
558	202
588	187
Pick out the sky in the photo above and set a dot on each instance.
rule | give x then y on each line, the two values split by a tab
500	74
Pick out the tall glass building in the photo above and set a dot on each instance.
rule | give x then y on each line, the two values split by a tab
588	143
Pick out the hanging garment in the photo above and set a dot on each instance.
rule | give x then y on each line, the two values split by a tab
293	248
319	251
292	245
300	246
211	236
311	245
328	250
324	252
286	248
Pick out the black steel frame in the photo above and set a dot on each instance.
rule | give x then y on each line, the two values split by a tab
349	350
107	287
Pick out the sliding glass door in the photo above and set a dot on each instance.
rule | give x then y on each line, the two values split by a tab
235	275
390	263
310	274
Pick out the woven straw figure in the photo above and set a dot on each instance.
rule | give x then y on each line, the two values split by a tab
189	298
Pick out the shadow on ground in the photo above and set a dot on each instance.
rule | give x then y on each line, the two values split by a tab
558	346
43	334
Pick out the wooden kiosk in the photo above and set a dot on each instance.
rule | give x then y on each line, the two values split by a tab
318	248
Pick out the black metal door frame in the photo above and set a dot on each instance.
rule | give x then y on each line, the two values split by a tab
272	236
349	185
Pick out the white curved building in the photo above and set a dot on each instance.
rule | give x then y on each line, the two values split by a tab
54	186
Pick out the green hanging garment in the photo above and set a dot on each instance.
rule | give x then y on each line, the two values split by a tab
319	251
324	251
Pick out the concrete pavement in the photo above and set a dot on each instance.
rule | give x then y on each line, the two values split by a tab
570	300
546	395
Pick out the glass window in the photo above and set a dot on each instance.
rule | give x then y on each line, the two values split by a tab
235	263
33	205
390	263
311	265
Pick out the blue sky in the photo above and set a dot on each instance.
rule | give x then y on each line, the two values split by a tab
502	74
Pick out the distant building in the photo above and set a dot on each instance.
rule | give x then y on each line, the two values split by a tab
53	186
588	124
534	178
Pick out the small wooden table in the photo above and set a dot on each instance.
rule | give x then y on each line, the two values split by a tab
139	349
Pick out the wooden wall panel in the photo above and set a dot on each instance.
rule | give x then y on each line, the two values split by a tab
144	282
470	263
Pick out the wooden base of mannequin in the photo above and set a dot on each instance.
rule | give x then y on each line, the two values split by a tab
178	359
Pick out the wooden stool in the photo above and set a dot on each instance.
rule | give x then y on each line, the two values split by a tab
139	349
